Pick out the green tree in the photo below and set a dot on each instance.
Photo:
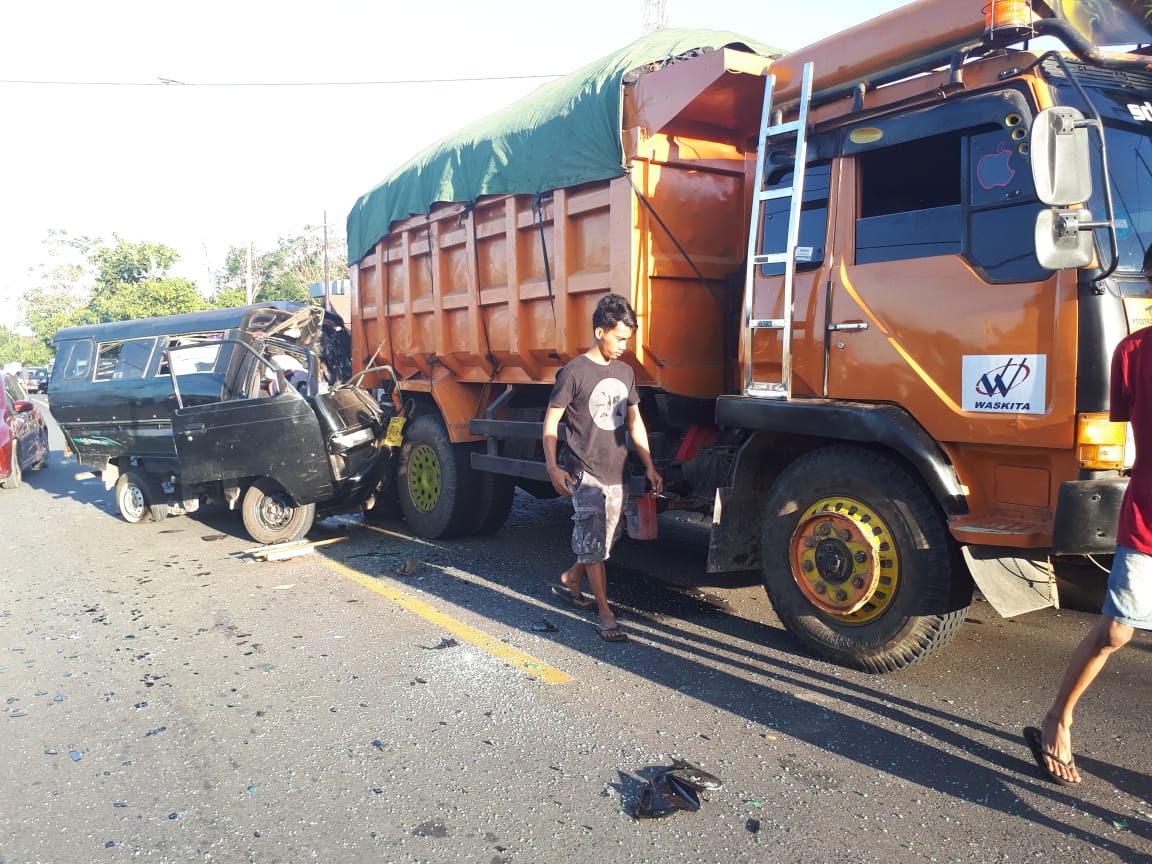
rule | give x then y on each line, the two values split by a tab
20	348
132	281
64	285
284	273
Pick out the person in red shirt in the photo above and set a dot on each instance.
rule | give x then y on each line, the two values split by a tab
1128	604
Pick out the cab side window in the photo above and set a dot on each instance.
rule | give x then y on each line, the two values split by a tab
910	200
813	218
75	361
949	180
123	359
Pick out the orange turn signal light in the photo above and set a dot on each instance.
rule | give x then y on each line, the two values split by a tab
1100	443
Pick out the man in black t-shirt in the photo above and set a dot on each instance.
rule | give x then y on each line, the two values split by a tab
595	394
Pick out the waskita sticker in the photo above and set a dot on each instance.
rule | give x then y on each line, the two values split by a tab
1005	383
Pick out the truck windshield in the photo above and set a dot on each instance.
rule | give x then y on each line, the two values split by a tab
1130	173
1107	22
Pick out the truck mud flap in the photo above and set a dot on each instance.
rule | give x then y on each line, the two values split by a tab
1013	581
734	543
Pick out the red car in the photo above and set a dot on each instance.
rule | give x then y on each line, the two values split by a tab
23	434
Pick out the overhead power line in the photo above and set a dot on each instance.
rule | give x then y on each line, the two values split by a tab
172	82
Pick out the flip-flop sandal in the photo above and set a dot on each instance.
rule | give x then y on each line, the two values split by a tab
1035	741
581	602
612	634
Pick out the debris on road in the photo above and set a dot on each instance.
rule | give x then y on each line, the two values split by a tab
542	626
281	551
445	642
673	789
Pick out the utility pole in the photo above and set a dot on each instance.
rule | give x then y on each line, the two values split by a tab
655	15
248	274
327	284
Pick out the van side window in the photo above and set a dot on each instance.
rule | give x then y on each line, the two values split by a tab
123	359
813	219
910	200
76	360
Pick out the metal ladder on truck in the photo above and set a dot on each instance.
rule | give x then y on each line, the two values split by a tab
773	131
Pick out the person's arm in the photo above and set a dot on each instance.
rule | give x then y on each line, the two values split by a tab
639	435
559	477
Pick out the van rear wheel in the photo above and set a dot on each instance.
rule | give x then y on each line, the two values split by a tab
271	516
132	498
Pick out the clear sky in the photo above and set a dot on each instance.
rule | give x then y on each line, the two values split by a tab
242	150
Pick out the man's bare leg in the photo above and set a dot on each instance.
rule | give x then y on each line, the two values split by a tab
1102	641
598	582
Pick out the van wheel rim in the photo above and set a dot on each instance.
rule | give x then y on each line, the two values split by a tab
845	560
424	478
276	510
132	501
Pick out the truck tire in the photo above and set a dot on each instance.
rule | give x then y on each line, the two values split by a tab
133	498
438	488
494	503
271	516
858	562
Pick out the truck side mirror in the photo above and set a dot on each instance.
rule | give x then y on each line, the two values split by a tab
1059	149
1062	174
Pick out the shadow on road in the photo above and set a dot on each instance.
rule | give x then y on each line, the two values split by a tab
686	640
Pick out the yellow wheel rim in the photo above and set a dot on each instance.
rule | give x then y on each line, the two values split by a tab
424	478
844	559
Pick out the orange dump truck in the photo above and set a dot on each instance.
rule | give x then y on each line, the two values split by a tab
878	282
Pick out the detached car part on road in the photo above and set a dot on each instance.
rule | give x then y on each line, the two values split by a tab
177	410
23	434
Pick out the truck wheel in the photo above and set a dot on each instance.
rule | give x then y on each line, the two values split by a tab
857	560
270	515
493	504
132	498
437	485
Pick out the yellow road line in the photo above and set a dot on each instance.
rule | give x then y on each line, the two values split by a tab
526	662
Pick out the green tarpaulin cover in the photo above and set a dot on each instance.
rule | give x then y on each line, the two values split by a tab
564	133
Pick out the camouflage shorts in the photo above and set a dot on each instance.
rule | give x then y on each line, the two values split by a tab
597	522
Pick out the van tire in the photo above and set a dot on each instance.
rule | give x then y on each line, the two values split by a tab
132	498
840	520
271	516
437	486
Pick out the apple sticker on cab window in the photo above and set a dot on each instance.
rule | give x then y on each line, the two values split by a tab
993	169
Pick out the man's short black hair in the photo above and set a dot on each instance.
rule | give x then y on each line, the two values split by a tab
612	310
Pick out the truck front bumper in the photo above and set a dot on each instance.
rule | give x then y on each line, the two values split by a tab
1086	515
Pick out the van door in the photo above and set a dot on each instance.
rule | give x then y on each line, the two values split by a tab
245	437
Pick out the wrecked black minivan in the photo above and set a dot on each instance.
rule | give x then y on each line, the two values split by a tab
244	407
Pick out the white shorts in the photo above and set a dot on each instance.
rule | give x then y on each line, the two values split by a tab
1129	599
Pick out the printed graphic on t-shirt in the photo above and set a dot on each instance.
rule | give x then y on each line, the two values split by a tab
608	404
